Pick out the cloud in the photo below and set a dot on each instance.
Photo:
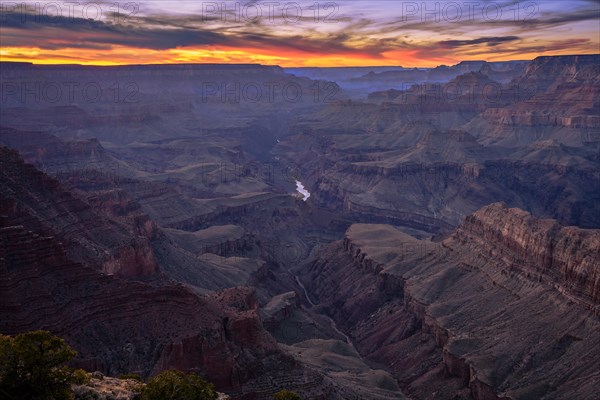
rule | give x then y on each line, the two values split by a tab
25	30
81	32
372	30
509	51
490	41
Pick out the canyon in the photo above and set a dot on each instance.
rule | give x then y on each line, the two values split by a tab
374	233
475	308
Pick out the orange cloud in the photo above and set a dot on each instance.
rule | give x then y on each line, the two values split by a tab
366	34
121	55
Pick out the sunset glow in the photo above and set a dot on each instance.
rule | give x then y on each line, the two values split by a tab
350	33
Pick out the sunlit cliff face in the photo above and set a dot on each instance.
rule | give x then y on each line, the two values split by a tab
298	33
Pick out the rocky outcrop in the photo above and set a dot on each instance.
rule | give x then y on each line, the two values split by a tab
532	119
467	313
553	93
108	320
279	308
426	157
566	257
118	246
500	71
120	326
390	191
549	72
108	388
124	325
504	307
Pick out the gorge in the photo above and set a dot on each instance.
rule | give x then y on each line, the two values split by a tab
384	244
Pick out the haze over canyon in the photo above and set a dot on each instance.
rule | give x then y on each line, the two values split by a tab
347	232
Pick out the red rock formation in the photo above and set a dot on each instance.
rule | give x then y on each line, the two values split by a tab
560	91
119	325
122	326
543	250
501	307
120	246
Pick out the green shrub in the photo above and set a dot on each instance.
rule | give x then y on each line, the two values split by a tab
136	377
80	377
174	385
286	395
33	366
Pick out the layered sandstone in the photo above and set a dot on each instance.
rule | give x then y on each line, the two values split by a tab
429	155
115	245
543	250
120	326
469	312
123	326
557	96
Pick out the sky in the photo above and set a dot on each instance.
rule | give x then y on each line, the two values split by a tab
300	33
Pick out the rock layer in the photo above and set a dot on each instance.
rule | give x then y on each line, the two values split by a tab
120	246
543	250
505	308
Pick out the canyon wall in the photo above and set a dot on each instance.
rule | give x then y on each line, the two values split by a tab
543	250
68	267
505	308
119	245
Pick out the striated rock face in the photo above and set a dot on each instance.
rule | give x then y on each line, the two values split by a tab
368	305
279	308
504	308
554	93
118	246
429	155
120	326
50	279
543	250
181	189
547	72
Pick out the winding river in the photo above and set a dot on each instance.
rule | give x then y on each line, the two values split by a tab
331	321
300	189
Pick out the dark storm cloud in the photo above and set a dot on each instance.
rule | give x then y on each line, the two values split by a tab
548	20
558	45
490	41
525	21
85	31
157	33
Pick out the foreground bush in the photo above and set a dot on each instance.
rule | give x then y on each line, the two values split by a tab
174	385
33	366
286	395
108	388
135	377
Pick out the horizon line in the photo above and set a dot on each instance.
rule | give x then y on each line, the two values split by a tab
116	65
264	65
